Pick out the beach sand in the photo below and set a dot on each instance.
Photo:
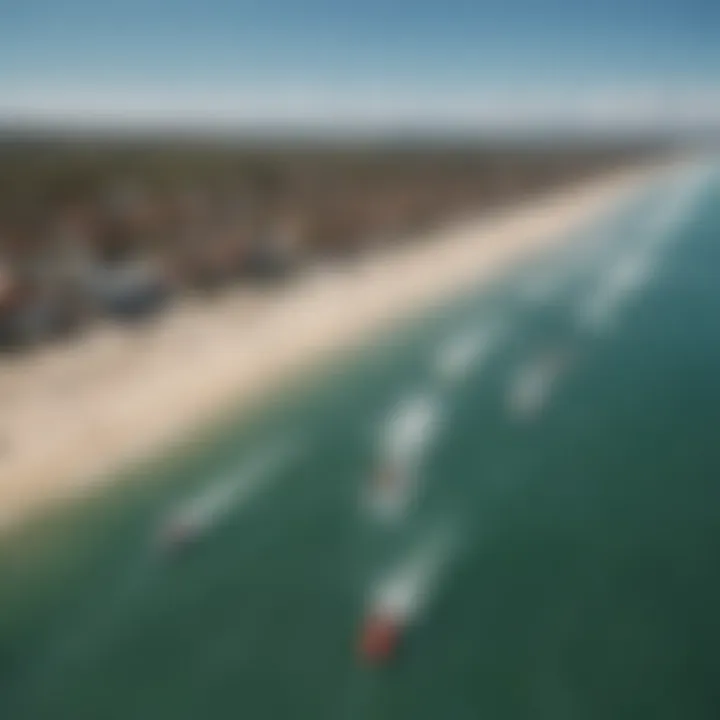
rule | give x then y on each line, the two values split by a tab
72	415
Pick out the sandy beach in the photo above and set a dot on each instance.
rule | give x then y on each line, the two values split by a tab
74	413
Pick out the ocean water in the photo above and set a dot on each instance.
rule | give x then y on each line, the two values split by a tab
574	468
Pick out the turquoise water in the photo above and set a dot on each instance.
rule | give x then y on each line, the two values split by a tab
582	580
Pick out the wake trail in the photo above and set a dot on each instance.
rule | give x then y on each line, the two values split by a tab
466	351
198	515
532	384
404	440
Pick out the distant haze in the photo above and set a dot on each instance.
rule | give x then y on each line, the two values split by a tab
609	68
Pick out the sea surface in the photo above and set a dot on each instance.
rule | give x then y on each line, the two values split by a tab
555	518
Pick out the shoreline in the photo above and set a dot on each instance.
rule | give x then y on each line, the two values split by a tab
75	415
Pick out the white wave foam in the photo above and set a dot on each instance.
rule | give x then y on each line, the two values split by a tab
411	426
531	386
466	350
627	274
625	277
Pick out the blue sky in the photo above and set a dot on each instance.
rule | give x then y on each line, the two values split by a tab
138	55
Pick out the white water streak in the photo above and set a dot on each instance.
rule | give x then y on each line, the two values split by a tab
467	350
531	386
404	441
207	508
406	591
625	275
